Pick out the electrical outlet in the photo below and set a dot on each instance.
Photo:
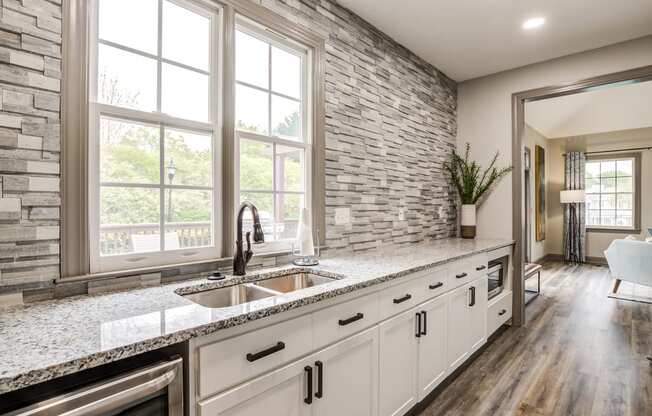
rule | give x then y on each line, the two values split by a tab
401	214
342	216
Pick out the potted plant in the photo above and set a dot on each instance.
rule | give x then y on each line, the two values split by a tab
472	184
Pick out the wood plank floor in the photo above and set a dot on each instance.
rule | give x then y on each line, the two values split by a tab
580	353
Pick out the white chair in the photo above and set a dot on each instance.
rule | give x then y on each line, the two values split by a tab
143	243
631	261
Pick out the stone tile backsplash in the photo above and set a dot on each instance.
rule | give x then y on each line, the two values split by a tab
390	122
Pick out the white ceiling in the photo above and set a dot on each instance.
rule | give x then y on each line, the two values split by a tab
471	38
616	108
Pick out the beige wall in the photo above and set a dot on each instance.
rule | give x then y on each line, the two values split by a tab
484	113
532	139
596	243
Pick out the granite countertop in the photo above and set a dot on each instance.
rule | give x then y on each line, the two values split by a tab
42	341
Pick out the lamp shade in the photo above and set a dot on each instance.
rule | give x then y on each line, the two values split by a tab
572	196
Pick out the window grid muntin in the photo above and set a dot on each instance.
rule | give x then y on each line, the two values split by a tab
162	186
253	30
600	194
160	60
210	127
301	143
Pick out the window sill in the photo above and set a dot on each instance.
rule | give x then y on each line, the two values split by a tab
614	230
162	268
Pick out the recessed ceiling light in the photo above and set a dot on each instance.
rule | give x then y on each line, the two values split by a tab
533	23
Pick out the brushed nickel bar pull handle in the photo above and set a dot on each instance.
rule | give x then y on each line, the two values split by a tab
461	275
436	285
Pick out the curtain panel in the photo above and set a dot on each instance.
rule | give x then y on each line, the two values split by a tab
574	214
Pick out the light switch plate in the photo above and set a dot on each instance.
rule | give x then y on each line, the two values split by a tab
342	216
401	214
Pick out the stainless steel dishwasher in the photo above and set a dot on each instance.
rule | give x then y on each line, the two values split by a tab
156	389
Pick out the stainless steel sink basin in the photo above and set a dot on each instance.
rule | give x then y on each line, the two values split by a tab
229	296
292	282
259	289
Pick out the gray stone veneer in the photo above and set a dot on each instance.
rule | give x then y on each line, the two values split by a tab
390	122
30	74
391	119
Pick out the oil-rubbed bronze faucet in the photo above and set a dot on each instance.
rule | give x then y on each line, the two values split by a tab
241	258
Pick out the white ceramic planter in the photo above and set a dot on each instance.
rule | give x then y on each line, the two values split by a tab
468	221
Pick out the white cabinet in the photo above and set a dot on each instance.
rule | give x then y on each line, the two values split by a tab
433	365
412	356
377	354
279	393
346	377
339	380
398	364
478	314
457	330
467	322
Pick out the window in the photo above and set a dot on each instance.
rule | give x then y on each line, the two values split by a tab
153	133
160	153
611	193
273	138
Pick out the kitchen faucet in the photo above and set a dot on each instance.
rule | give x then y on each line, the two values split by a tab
240	259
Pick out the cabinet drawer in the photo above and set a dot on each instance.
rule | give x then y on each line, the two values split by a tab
226	363
339	321
500	311
399	298
465	271
436	283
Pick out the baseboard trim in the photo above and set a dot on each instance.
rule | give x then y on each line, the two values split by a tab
598	261
423	404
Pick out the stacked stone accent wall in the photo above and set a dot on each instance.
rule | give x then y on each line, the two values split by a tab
390	122
391	119
30	85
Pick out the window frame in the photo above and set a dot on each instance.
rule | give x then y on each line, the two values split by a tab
76	181
213	127
636	193
262	33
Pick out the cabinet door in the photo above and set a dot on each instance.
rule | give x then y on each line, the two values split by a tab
398	363
349	377
433	364
458	339
278	393
478	314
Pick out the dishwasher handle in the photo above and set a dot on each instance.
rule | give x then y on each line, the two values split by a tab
116	393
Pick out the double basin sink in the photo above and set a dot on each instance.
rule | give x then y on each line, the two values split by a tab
247	292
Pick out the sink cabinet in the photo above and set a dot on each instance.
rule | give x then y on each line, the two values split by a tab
376	351
338	380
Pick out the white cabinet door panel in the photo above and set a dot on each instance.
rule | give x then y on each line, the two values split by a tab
279	393
478	315
398	364
457	347
433	363
350	377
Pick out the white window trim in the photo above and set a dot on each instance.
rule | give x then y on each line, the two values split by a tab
635	195
100	263
305	53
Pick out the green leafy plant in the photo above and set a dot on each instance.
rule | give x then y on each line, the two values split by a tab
470	181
